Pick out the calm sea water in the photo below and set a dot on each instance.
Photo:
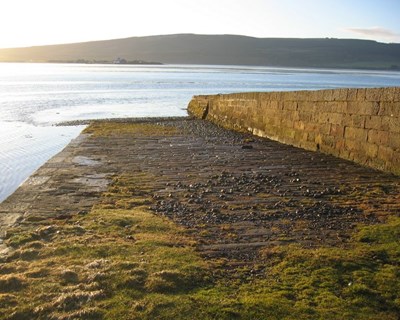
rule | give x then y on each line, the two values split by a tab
33	97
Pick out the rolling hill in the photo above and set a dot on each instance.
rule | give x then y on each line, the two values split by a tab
221	50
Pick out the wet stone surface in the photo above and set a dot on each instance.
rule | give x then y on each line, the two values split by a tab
237	195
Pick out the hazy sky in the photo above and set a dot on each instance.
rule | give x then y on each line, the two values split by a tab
38	22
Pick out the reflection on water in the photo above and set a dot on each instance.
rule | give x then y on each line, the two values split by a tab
35	96
24	148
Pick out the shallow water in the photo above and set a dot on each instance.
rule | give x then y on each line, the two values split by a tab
33	97
25	147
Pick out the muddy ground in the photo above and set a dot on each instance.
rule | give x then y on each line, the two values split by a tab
237	195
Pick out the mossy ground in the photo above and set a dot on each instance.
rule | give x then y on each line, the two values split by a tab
115	128
120	261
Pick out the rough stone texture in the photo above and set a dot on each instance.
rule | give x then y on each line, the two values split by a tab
238	195
361	125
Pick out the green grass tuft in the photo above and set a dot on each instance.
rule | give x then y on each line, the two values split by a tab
120	261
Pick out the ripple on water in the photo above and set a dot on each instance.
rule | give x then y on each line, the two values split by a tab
24	148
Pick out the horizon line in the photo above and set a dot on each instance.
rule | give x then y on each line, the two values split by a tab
192	34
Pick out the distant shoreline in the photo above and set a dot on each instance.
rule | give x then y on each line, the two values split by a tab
197	49
116	62
83	61
144	63
120	120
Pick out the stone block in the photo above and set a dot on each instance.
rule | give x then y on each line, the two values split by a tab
287	123
341	107
353	157
336	118
288	133
322	95
347	120
296	116
358	121
357	134
379	137
373	122
298	125
297	96
359	157
337	130
277	121
329	106
305	106
370	149
339	145
391	94
299	136
357	124
287	96
273	96
259	133
339	95
270	112
265	104
311	137
361	95
198	107
274	105
353	107
326	149
394	124
369	108
305	116
387	123
324	128
378	164
257	122
396	94
286	114
394	141
328	140
318	140
308	145
391	109
323	117
373	94
395	163
345	154
385	153
351	95
310	127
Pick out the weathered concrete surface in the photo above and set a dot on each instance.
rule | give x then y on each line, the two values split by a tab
361	125
69	183
238	195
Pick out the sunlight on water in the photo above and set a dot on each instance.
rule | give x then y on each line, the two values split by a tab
24	148
33	97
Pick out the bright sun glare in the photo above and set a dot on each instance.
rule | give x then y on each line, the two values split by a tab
40	22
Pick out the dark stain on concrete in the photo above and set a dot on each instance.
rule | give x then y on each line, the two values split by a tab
236	194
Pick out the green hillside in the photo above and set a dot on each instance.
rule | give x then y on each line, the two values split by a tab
221	49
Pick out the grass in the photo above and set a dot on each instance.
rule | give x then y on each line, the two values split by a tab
117	263
120	261
92	264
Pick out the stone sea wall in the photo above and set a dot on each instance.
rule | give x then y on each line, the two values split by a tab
361	125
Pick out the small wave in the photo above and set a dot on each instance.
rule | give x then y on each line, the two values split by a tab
23	153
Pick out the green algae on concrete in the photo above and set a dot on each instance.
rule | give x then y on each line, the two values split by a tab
87	266
130	264
122	259
115	128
